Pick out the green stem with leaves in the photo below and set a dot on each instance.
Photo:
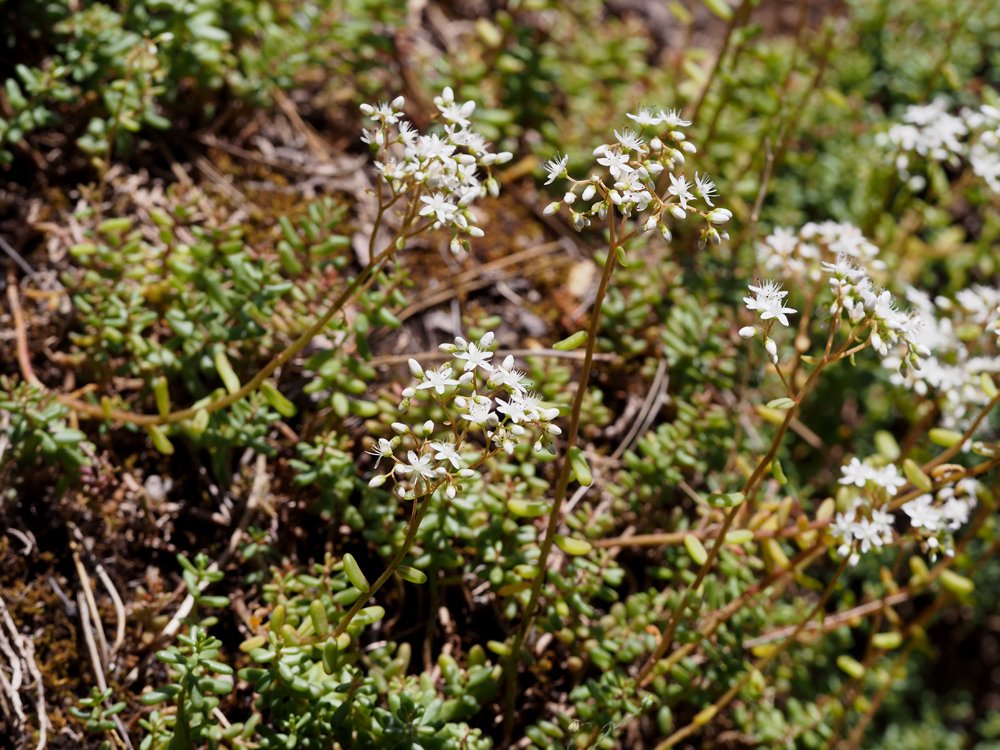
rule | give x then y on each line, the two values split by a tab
562	483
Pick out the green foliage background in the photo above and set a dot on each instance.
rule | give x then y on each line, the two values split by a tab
179	189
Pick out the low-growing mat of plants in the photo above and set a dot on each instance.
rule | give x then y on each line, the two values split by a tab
507	374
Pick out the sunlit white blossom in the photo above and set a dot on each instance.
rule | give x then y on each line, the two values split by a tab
768	299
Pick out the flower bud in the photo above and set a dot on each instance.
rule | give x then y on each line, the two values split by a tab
772	349
720	215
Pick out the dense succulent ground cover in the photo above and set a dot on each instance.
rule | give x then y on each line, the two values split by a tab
499	374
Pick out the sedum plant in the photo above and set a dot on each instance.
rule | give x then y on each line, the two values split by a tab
718	469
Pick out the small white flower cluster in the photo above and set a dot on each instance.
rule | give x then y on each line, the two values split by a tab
932	133
984	151
799	255
631	168
480	398
860	529
769	300
841	253
865	525
935	518
929	131
857	299
959	335
442	168
883	480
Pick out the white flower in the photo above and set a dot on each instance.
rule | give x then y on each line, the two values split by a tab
646	117
556	168
438	379
767	300
615	161
680	187
888	478
513	409
447	452
672	118
475	357
629	140
479	410
923	514
706	189
453	112
380	450
439	207
856	473
417	465
506	376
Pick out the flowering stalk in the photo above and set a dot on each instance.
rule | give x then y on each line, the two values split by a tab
768	301
478	397
915	627
562	483
631	167
749	489
417	510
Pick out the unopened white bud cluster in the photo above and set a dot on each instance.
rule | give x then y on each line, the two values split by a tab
964	352
490	409
442	169
929	132
841	254
631	168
